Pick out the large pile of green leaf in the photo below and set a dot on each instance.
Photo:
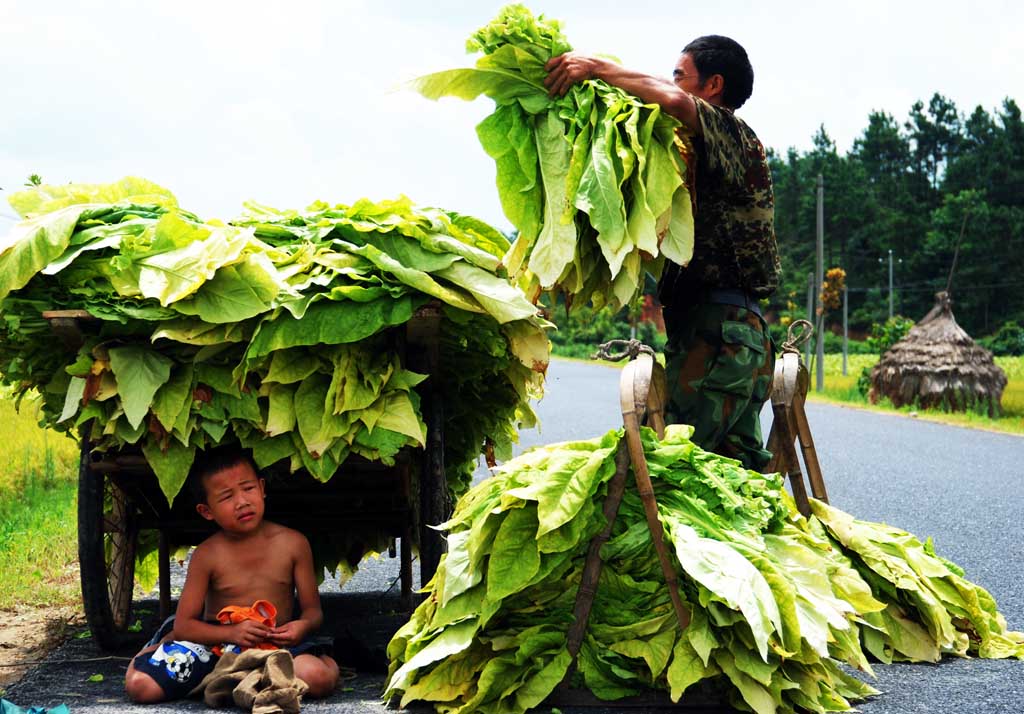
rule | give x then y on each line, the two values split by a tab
272	331
592	180
777	601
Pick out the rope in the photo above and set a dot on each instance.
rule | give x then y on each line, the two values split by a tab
395	581
794	342
630	349
346	674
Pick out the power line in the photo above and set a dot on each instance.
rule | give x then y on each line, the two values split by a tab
924	287
969	287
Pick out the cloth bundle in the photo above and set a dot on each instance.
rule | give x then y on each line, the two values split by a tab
263	681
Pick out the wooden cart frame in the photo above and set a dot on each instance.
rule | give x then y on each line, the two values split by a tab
119	496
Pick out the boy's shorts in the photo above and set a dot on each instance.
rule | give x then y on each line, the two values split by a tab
178	666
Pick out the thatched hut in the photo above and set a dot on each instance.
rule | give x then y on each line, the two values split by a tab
938	365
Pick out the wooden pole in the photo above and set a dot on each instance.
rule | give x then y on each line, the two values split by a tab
846	327
592	566
819	281
956	254
634	390
803	431
646	490
810	315
789	460
164	572
890	284
642	381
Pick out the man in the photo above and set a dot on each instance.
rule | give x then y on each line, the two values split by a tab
719	356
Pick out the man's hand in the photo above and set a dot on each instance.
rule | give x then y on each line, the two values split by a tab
249	633
568	69
289	634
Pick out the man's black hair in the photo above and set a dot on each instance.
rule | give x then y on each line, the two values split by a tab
212	461
715	54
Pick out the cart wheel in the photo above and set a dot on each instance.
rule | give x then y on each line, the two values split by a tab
107	537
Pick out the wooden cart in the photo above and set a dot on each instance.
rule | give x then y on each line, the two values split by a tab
119	496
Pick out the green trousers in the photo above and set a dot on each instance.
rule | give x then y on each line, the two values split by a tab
719	361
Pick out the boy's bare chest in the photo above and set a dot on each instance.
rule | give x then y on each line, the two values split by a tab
250	576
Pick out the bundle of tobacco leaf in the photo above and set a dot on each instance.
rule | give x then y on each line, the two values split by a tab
777	602
592	181
272	331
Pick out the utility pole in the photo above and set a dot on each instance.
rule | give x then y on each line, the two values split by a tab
890	284
900	260
846	328
819	280
810	317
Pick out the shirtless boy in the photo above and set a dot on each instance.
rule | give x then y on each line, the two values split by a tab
248	559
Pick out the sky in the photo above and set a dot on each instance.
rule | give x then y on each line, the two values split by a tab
290	102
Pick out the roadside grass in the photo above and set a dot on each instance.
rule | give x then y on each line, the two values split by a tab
842	389
604	363
38	521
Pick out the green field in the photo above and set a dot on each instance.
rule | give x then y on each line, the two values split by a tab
843	389
38	539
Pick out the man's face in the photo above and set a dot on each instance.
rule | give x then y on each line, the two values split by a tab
687	78
234	499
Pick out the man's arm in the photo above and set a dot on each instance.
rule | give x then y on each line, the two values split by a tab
570	68
188	621
310	615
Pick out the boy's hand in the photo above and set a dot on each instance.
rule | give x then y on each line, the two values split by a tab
249	633
289	634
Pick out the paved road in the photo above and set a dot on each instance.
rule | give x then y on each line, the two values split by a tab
963	487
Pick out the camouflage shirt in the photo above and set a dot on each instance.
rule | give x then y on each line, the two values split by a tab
734	212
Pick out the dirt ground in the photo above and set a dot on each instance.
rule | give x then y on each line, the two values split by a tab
28	635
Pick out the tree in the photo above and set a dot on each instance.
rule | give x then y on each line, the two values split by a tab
884	152
991	164
894	218
906	186
935	137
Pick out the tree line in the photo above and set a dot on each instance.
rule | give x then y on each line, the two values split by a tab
918	187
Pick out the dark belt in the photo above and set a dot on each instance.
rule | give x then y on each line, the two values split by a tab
734	297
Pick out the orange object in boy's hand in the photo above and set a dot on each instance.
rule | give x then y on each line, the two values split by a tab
251	625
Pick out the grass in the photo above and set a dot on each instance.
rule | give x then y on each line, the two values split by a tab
38	521
842	389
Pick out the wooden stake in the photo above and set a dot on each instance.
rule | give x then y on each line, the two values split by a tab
642	388
592	567
803	431
634	390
